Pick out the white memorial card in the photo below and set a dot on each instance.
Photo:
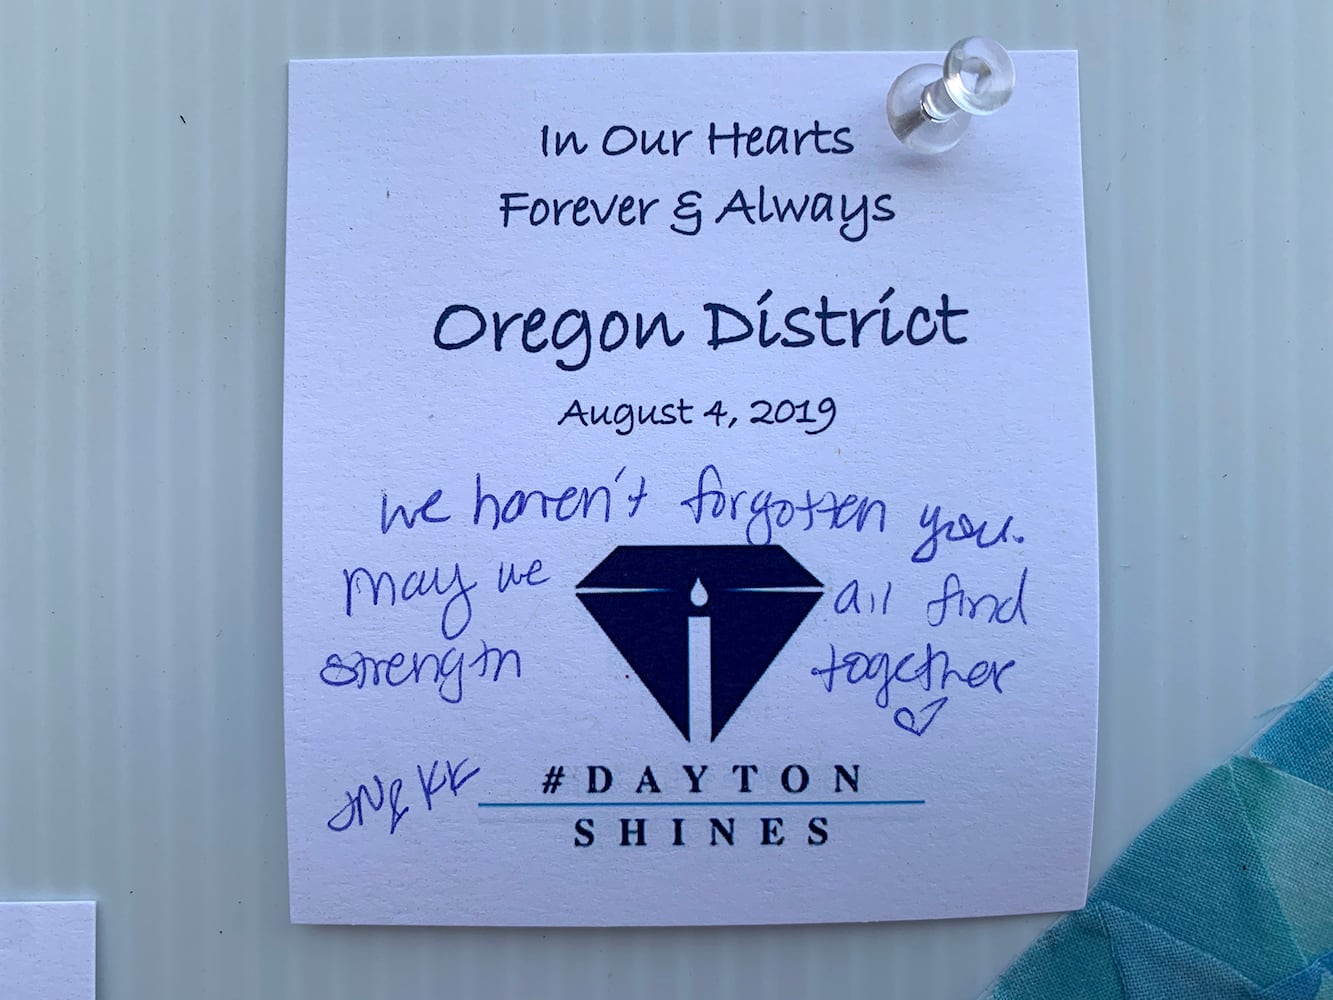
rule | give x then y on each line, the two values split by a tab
688	497
48	951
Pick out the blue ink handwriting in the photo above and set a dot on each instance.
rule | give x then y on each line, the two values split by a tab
905	718
929	670
444	671
567	504
456	614
990	608
850	602
452	779
422	513
764	512
375	795
959	530
509	575
354	812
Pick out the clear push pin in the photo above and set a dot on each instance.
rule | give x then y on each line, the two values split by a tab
929	113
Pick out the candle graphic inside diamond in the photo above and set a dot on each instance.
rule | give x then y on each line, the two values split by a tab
699	624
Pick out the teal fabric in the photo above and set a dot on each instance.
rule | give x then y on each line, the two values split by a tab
1301	742
1228	895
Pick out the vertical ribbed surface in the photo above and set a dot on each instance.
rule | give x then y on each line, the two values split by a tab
140	403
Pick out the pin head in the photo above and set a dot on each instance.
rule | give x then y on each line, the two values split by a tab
929	109
979	75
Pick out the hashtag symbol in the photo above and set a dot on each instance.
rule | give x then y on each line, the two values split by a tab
553	778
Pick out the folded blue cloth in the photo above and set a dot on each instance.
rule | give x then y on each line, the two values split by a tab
1228	895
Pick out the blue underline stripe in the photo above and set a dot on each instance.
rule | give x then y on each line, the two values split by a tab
590	804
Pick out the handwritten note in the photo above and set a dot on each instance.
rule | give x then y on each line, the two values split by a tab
47	951
689	495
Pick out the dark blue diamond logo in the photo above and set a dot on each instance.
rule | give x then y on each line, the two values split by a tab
753	597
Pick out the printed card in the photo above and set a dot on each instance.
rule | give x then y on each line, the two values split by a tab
689	495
